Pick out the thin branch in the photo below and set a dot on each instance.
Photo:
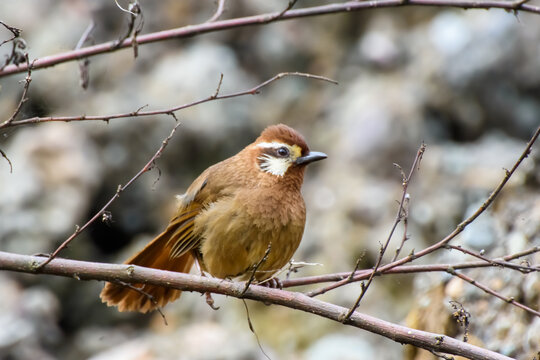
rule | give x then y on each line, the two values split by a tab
149	165
138	113
14	31
490	291
193	30
219	11
404	269
257	266
27	81
279	15
506	264
252	329
147	295
17	54
185	282
405	217
399	217
341	279
442	243
83	63
4	155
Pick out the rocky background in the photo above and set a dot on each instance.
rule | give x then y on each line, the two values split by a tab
467	83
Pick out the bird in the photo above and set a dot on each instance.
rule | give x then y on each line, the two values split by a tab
236	212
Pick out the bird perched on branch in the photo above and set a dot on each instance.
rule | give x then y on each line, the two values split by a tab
236	212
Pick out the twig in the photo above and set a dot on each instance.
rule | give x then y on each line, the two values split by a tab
508	174
402	269
279	15
486	289
27	81
257	266
506	264
150	297
399	217
135	12
138	113
83	63
185	282
120	189
252	329
462	317
405	217
4	155
193	30
17	54
14	31
219	11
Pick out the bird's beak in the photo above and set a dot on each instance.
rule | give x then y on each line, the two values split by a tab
311	157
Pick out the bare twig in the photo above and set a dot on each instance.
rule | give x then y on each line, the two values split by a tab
490	291
219	11
17	54
402	269
279	15
257	266
27	81
135	13
193	30
252	329
442	243
14	31
149	165
298	301
462	317
138	113
399	217
83	63
4	155
405	217
147	295
506	264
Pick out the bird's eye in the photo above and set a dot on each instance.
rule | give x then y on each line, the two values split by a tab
283	151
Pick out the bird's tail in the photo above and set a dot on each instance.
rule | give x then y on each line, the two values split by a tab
155	255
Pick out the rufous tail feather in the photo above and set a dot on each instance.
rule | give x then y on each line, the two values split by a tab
155	255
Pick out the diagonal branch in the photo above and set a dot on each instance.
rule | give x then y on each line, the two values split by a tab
399	217
149	165
444	242
185	282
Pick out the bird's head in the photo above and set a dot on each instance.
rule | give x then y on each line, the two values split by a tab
281	150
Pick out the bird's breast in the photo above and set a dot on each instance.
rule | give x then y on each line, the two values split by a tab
236	232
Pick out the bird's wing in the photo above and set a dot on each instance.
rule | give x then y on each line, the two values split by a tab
181	237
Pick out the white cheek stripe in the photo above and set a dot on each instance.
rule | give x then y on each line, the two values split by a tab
274	166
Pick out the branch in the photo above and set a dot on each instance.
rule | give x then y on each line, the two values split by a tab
135	274
138	113
486	289
149	165
405	269
219	11
208	27
441	244
444	242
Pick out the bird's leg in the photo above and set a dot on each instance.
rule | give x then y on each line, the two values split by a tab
207	295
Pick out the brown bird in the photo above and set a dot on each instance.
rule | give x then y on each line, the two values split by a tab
227	219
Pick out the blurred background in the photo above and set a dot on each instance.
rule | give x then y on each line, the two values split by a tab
467	83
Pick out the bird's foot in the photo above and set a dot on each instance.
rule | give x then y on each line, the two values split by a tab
273	283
